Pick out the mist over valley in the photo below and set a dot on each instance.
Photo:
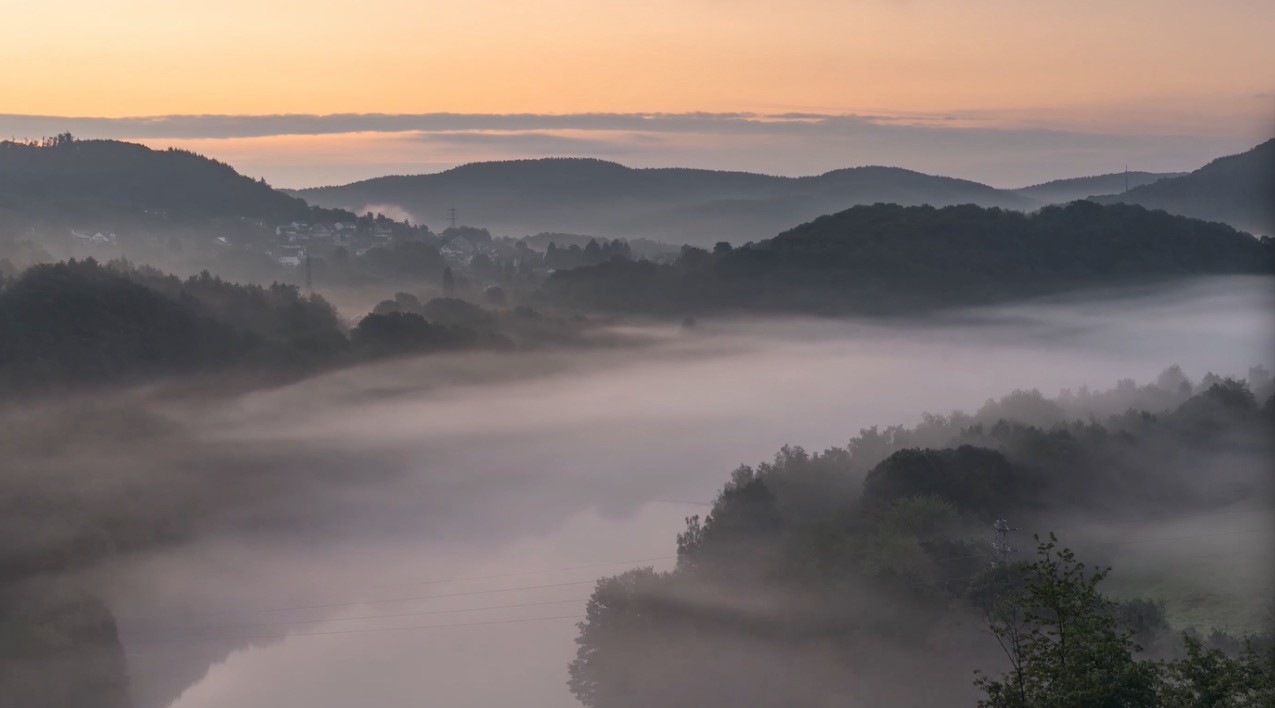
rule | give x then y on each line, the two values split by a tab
823	355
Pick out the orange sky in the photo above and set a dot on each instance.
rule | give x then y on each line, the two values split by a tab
143	57
1199	74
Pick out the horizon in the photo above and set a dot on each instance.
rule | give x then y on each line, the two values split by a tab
241	142
1003	93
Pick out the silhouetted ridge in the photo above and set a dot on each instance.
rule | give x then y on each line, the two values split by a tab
891	258
1060	191
91	177
1237	190
670	204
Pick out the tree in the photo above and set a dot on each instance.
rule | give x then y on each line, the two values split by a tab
449	280
1064	641
1208	678
608	651
494	295
482	266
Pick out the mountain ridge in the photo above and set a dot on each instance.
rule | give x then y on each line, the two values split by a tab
1235	189
691	205
73	176
1069	189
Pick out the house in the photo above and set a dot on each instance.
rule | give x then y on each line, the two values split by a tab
97	238
458	247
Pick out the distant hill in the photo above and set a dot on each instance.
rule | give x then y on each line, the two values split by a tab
1238	190
1061	191
665	204
889	258
84	180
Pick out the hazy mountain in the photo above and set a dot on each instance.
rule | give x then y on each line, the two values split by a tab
1060	191
678	205
86	179
1238	190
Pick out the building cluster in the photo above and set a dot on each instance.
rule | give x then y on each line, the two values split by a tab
295	239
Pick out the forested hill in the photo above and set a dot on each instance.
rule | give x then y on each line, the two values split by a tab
818	577
890	258
1061	191
81	322
67	178
1237	190
672	205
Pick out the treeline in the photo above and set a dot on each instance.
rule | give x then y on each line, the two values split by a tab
868	574
888	258
593	253
79	322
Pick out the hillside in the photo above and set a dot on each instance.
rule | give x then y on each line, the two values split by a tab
837	573
889	258
1061	191
65	178
666	204
1238	190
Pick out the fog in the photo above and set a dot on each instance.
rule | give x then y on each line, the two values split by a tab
425	531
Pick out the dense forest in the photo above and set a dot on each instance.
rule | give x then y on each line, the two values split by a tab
890	258
868	574
85	322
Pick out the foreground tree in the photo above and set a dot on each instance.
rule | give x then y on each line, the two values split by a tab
1208	678
1064	640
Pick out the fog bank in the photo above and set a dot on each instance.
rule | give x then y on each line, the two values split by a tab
367	508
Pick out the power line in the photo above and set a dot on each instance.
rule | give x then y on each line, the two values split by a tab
353	603
535	604
371	630
396	615
530	572
387	629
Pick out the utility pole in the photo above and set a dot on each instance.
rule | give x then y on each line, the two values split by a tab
451	214
309	282
1000	545
1126	179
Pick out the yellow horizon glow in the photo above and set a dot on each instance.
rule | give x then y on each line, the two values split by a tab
156	57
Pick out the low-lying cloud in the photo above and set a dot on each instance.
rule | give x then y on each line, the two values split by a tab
488	490
975	146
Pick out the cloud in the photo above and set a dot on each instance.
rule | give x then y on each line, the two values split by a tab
311	150
248	126
789	123
532	142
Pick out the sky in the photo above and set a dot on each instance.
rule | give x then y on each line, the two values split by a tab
1072	87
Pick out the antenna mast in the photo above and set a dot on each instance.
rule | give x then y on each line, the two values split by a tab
1000	547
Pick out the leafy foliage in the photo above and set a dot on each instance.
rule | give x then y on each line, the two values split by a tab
1065	642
